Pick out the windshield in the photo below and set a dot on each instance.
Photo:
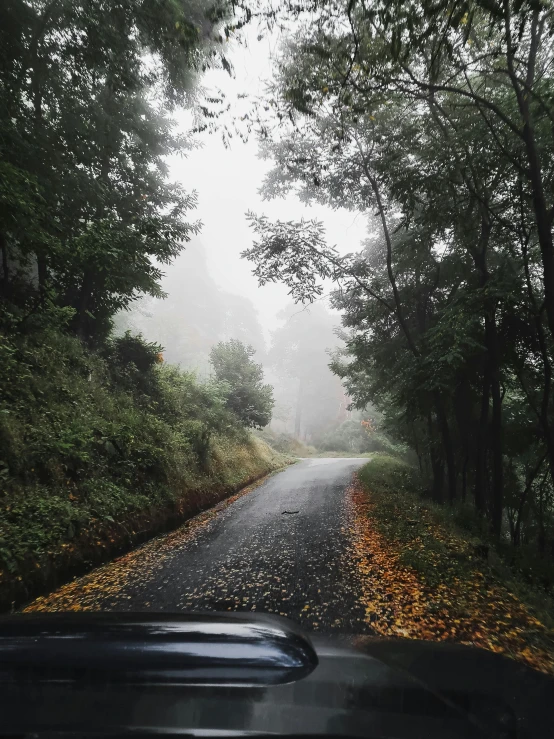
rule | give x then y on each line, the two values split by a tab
277	316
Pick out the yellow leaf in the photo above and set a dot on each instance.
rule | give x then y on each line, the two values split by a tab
178	25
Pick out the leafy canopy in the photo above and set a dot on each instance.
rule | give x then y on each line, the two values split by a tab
248	398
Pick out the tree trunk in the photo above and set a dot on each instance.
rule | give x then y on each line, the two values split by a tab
543	414
543	219
438	478
496	446
426	466
464	477
479	256
463	403
437	465
481	448
523	499
447	446
5	264
298	416
417	450
541	539
511	523
516	535
544	224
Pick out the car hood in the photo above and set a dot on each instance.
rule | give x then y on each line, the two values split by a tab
208	674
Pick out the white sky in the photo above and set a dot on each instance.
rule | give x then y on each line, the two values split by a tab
227	182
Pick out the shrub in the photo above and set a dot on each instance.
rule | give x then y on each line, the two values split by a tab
354	437
390	474
248	398
93	436
286	443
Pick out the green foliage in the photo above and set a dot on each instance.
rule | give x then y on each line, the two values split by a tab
89	438
248	398
386	474
286	443
129	349
403	511
433	120
401	514
357	436
86	208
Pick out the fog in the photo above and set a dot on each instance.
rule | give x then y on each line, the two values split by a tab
211	292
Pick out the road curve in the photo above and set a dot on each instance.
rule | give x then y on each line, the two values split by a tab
282	548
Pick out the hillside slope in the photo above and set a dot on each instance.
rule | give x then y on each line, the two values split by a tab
101	449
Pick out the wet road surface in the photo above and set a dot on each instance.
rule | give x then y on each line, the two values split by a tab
282	548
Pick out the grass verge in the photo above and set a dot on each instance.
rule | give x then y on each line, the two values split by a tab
101	448
104	587
342	455
424	577
53	557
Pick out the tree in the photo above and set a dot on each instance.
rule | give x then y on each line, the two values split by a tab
413	116
299	355
490	56
248	398
86	89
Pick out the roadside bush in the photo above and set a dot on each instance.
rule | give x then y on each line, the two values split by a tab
88	438
247	397
390	475
354	437
286	443
130	361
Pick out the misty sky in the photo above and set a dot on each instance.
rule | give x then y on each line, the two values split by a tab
227	182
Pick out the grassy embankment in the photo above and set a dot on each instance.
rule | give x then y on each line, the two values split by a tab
429	572
99	450
286	443
290	445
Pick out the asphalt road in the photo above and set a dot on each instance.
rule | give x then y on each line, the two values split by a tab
281	548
